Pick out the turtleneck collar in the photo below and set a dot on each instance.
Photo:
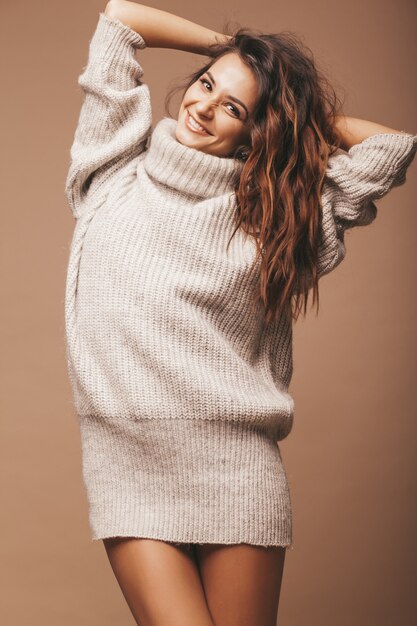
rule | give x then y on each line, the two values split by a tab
187	169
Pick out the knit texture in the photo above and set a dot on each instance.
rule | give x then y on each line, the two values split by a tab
180	389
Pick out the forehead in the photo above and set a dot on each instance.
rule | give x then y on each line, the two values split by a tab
231	63
234	77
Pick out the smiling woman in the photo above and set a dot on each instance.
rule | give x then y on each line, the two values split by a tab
217	107
179	341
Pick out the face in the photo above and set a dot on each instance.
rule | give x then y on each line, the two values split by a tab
221	101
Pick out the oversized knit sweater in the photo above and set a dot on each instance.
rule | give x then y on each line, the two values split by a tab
180	389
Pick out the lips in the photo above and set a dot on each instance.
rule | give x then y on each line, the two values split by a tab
196	130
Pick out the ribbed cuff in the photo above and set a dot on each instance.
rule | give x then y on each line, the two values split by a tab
112	49
114	33
388	156
370	168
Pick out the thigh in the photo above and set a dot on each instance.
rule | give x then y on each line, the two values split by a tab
159	580
242	582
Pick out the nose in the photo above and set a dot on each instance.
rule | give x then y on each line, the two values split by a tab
205	107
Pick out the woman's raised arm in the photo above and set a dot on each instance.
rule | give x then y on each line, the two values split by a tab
161	29
354	130
115	118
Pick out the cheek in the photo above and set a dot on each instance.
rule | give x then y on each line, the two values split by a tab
233	131
191	94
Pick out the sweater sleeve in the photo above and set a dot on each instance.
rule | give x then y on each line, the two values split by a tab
354	180
115	117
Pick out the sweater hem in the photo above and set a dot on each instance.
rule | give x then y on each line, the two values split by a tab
185	481
188	544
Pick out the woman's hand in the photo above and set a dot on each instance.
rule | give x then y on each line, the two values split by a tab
161	29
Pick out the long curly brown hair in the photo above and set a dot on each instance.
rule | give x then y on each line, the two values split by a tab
278	193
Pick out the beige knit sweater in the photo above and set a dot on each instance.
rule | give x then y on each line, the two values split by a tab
180	390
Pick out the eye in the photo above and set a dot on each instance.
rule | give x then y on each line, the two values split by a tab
234	110
203	80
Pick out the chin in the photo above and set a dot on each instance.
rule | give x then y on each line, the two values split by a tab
183	136
181	131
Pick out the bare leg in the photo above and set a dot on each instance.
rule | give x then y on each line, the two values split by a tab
242	582
160	582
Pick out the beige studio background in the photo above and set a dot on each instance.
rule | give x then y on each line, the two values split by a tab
350	457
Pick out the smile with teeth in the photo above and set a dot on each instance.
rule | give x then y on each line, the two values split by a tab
194	126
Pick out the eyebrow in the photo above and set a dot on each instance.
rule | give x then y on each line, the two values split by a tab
230	97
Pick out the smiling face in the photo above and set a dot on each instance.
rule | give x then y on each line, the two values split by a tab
222	101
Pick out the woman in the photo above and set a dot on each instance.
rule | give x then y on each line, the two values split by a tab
196	242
